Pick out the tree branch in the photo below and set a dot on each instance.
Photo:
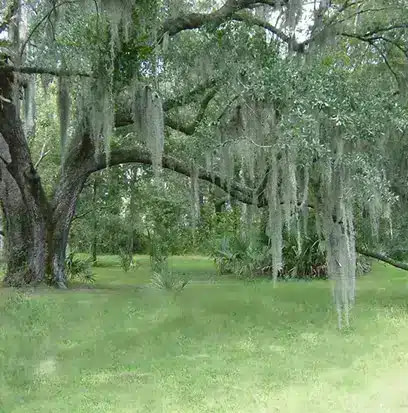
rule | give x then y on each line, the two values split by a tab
125	118
191	128
41	21
383	258
43	154
196	20
371	39
237	191
250	19
189	97
142	156
386	29
42	70
301	46
173	124
387	63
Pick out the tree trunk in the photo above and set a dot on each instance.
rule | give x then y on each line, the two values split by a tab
63	211
94	244
23	199
36	229
57	241
35	245
25	240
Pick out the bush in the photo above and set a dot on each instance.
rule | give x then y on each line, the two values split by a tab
240	256
79	268
169	281
310	262
126	260
248	258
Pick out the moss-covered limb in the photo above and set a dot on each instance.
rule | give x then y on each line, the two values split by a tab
41	70
142	155
192	21
383	258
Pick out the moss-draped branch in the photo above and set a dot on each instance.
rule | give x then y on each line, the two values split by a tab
236	190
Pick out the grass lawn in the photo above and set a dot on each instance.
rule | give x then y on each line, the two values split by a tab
220	346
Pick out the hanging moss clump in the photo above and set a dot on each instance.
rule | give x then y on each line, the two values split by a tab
148	120
195	195
64	108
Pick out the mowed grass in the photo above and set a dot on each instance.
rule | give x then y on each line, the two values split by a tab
219	346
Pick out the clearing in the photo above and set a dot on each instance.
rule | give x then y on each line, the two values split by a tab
219	346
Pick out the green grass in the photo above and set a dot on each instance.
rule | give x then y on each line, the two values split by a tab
225	346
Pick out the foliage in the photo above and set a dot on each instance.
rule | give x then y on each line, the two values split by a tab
308	262
126	260
162	275
78	268
247	258
169	280
238	255
158	255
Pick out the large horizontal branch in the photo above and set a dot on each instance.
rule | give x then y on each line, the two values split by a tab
171	26
237	191
300	47
191	127
125	118
142	156
177	126
42	71
252	20
383	258
186	98
196	20
233	10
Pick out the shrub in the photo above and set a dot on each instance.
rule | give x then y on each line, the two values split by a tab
126	260
240	256
248	258
79	268
169	281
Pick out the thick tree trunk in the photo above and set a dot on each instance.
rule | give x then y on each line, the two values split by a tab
36	250
23	199
63	211
35	245
36	229
57	242
25	240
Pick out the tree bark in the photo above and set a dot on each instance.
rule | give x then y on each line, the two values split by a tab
36	229
62	208
94	243
383	258
23	199
25	240
36	249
